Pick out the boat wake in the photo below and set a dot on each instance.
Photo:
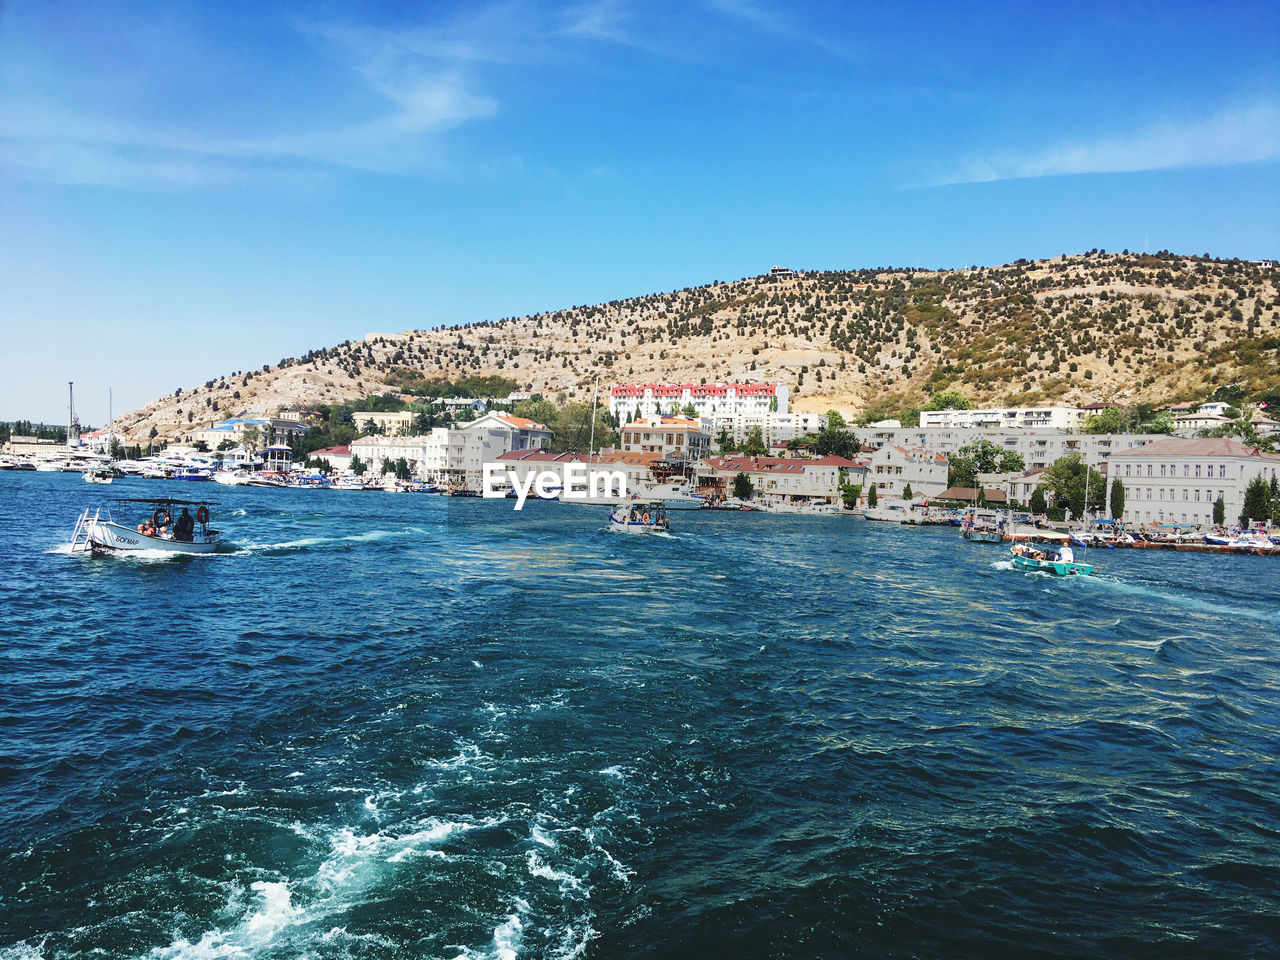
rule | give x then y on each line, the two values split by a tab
311	543
1148	590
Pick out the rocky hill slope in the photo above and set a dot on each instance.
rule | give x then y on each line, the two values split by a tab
1095	326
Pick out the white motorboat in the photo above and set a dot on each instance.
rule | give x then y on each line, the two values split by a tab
640	516
110	530
675	496
233	478
99	475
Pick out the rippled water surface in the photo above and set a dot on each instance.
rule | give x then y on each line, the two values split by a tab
405	726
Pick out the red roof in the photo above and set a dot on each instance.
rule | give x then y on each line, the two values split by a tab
1199	447
332	452
521	423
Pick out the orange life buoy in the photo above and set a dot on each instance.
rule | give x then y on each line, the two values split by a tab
202	515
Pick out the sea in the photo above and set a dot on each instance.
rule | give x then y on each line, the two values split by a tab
407	726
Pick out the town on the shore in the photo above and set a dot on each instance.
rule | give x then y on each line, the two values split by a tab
1193	466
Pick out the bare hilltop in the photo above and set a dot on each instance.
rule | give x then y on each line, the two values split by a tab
1078	328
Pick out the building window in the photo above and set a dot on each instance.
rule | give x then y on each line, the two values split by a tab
1222	470
1148	469
1186	469
1197	469
1126	469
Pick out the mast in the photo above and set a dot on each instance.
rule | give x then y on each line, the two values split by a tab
73	434
591	449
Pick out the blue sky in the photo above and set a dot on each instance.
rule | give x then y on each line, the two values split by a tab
190	189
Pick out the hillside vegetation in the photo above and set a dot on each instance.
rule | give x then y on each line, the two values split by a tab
1096	326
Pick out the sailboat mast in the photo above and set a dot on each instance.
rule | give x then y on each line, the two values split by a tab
591	450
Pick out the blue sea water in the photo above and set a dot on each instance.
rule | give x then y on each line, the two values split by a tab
406	726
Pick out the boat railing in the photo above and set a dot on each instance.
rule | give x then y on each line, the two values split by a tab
80	541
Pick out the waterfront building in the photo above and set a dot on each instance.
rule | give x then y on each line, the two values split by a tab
270	430
894	467
1017	486
338	457
1188	424
1007	418
709	400
1177	480
779	477
1038	448
673	438
443	455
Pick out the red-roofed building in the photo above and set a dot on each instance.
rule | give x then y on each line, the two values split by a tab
339	457
524	434
713	401
675	438
1177	480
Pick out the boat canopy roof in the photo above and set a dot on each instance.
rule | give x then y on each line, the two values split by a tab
166	501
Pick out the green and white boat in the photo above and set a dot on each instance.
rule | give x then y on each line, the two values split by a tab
1059	568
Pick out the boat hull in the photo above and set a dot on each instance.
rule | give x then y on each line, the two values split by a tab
105	536
1059	568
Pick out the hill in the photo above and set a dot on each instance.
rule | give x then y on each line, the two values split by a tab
1095	326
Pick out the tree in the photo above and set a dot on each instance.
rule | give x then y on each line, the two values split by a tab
840	443
1219	512
742	488
1257	502
754	447
689	410
250	438
227	444
358	466
981	499
1117	499
1067	479
872	496
849	493
981	456
1038	504
724	441
200	447
906	492
402	469
948	400
115	449
835	421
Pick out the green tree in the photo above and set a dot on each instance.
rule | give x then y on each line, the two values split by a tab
402	469
115	449
1067	479
754	447
835	421
1117	499
840	443
849	493
1038	504
872	496
948	400
689	410
200	447
1257	501
227	444
981	499
1219	512
906	492
358	466
251	437
742	487
981	456
724	441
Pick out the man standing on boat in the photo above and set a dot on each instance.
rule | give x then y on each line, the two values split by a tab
184	530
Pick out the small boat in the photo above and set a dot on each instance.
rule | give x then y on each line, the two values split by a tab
983	536
233	478
641	516
348	483
676	496
1048	564
159	530
99	475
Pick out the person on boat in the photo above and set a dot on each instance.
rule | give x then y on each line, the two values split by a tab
184	530
1066	554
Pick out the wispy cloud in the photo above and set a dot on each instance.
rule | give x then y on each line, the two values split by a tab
780	23
391	119
1238	135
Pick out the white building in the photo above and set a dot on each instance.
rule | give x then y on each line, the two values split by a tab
1007	418
1177	480
1188	424
893	468
444	455
709	400
1038	448
518	464
673	438
269	429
